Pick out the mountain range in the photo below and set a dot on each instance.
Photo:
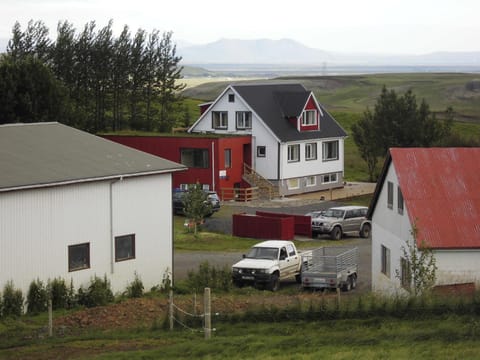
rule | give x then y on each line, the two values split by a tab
288	51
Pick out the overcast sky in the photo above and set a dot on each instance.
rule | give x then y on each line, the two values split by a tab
369	26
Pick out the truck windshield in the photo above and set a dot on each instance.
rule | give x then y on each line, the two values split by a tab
334	213
263	253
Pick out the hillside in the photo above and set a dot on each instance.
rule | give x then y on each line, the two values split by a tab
354	93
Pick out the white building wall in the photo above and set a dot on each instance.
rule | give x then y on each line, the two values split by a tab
392	230
458	266
310	167
37	226
266	166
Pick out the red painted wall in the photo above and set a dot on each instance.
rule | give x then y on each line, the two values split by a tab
168	147
263	227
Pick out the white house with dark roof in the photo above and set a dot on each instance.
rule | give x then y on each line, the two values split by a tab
436	191
74	205
296	143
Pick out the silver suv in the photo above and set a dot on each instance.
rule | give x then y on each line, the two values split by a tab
337	221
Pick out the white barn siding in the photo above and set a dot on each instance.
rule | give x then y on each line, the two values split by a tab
266	166
44	222
458	266
393	232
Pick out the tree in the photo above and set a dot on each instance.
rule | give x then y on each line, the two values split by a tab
196	206
29	92
398	121
419	266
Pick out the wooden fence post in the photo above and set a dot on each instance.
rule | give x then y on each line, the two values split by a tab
207	315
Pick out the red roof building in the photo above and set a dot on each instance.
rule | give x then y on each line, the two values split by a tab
437	192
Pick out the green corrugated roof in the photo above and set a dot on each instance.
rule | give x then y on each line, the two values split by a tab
42	154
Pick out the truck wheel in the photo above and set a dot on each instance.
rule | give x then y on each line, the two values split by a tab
336	233
298	278
365	231
274	284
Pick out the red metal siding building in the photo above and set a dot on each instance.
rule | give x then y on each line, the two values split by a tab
211	160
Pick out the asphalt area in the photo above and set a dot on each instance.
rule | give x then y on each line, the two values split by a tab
222	222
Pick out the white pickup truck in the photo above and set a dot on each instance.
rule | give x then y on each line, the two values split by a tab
267	263
270	261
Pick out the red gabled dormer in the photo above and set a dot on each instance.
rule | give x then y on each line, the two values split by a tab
309	119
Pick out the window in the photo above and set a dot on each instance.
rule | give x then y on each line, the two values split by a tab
329	178
79	257
291	250
294	153
385	257
330	150
405	273
243	119
309	117
231	97
311	151
400	201
293	184
194	158
311	181
261	151
228	158
390	195
125	247
219	119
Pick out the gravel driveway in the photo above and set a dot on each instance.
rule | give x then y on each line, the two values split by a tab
222	222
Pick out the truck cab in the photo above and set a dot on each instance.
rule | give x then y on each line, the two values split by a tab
267	263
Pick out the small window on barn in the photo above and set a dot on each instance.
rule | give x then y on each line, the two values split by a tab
79	257
385	259
261	151
125	247
400	201
194	158
231	97
390	195
228	158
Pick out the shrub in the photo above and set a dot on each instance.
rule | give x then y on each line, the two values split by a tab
210	276
135	288
37	297
58	293
98	293
12	300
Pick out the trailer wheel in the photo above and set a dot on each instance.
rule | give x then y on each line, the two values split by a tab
336	233
354	281
348	284
274	284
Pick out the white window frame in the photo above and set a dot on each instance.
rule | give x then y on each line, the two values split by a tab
309	117
326	156
400	203
293	153
261	151
329	178
311	151
221	117
309	182
243	120
293	184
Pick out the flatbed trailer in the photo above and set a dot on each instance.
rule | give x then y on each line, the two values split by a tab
330	267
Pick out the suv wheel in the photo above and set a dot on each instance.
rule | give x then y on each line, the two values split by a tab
336	233
365	231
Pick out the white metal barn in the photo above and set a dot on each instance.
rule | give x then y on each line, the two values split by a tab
74	205
435	190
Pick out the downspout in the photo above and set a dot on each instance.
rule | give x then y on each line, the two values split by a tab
112	238
213	166
279	168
